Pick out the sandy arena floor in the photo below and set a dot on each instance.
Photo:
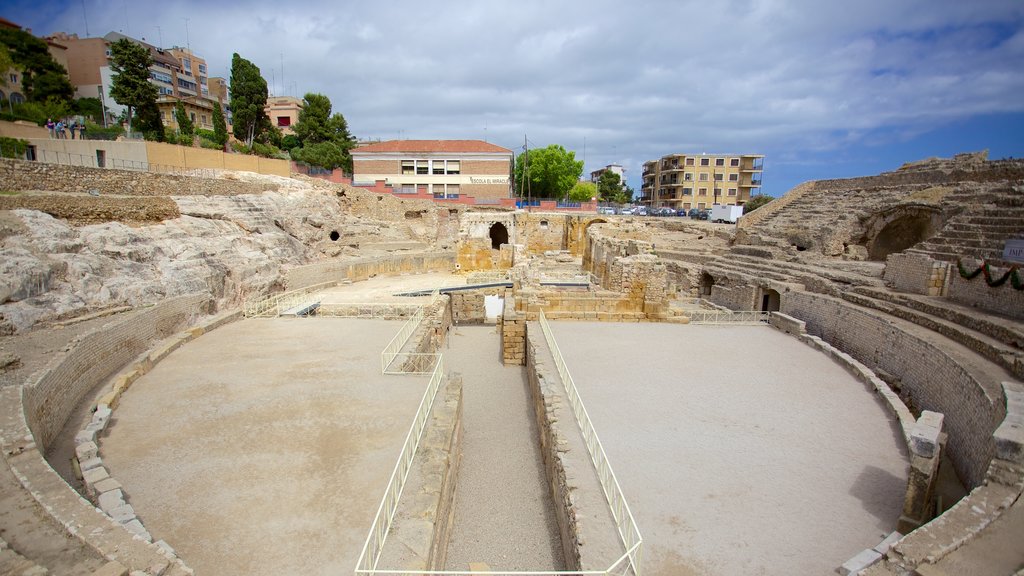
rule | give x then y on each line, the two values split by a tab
739	449
263	447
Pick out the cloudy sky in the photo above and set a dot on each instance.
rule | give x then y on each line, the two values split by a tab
823	89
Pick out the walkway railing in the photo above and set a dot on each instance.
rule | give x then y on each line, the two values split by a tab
374	546
728	317
624	522
275	305
395	346
364	310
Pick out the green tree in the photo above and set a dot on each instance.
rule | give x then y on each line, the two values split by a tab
185	128
248	100
89	107
220	127
583	192
41	76
609	186
627	194
552	171
756	202
150	123
131	88
323	154
317	125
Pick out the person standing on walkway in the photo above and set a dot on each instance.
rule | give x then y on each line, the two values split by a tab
73	127
81	131
60	130
51	127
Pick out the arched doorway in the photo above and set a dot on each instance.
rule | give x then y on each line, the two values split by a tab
897	229
706	283
770	300
499	235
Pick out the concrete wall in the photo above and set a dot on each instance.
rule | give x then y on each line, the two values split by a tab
188	158
915	273
116	154
363	268
22	129
95	357
929	378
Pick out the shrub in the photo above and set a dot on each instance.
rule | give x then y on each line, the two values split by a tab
209	144
12	147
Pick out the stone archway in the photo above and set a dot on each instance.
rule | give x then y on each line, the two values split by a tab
771	300
499	235
707	281
896	230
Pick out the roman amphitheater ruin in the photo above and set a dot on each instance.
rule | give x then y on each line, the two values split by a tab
248	374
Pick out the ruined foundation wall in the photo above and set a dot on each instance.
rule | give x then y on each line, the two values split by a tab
364	268
931	379
915	273
95	357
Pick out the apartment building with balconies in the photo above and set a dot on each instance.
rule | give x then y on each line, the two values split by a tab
684	181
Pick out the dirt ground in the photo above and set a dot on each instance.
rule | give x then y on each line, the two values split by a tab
771	460
263	446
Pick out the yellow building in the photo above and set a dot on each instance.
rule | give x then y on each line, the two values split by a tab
283	112
684	181
200	110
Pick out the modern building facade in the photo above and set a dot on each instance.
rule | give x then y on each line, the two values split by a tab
444	168
616	168
283	112
11	88
684	181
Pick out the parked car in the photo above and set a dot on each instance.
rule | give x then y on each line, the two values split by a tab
694	213
681	213
704	215
665	211
640	211
606	210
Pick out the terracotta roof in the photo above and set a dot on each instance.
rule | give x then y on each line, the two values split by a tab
432	146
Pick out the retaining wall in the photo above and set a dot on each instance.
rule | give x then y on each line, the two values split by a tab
931	379
95	357
364	268
976	292
915	273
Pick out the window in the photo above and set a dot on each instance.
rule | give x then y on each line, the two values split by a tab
408	167
186	64
734	162
454	166
438	167
719	161
689	161
688	176
687	191
732	191
703	176
14	78
284	120
422	167
700	205
202	119
734	177
202	68
719	177
686	205
453	189
702	191
160	77
192	115
705	161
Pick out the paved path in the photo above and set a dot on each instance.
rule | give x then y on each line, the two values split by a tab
503	510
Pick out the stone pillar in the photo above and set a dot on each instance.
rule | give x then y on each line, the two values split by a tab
926	440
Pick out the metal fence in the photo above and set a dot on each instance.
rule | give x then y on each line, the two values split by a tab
363	310
395	346
728	317
275	305
374	546
626	526
92	161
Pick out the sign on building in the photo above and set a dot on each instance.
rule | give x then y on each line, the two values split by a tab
1014	250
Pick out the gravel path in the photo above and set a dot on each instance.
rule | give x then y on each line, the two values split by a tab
503	510
740	449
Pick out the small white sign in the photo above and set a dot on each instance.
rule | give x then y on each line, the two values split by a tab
1014	250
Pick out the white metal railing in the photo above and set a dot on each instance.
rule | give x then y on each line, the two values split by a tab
395	346
274	305
374	546
624	522
365	310
728	317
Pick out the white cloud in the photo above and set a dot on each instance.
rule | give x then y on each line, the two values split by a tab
637	80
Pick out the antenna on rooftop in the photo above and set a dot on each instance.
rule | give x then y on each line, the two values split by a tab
85	16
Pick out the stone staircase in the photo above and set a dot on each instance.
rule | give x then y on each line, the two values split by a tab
996	339
981	228
825	277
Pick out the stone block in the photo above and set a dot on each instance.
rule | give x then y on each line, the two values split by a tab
1009	440
111	500
86	450
887	543
924	437
136	528
859	562
107	485
89	464
91	477
122	514
85	436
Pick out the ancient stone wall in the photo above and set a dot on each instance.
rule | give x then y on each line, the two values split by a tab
924	374
25	175
364	268
734	296
49	401
915	273
976	292
513	333
543	232
468	307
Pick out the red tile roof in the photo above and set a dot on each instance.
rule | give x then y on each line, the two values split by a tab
432	147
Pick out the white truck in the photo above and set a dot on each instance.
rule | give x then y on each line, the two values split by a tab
725	213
